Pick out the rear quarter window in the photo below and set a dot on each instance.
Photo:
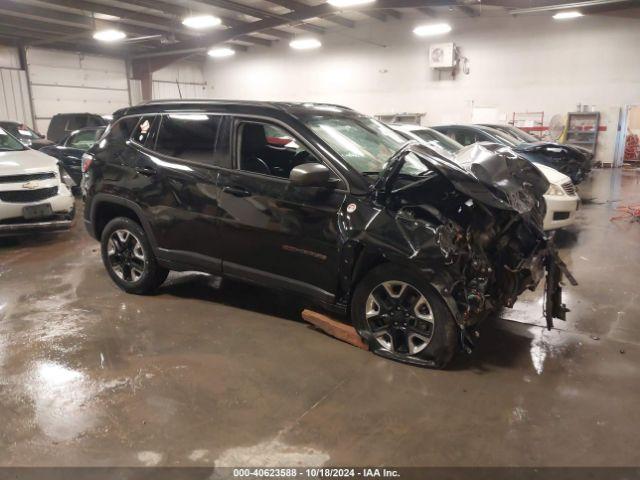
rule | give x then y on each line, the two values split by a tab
188	136
122	128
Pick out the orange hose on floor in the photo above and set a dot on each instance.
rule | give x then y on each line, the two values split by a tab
630	212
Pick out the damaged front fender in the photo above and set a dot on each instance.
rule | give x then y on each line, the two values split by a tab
472	226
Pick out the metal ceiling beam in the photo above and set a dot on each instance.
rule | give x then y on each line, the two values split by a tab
258	13
294	5
562	6
198	44
28	12
179	12
256	40
92	49
382	15
10	31
377	15
125	16
50	16
49	28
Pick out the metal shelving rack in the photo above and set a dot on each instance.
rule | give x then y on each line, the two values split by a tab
582	129
531	122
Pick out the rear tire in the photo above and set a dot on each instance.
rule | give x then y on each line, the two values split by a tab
401	316
128	257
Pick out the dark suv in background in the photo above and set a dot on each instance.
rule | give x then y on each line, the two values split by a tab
71	148
64	124
413	248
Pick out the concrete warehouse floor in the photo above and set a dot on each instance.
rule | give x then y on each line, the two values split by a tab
199	376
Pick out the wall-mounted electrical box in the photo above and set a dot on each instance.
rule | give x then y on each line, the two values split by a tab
442	55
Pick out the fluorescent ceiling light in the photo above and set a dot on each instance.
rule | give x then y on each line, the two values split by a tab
305	44
109	35
221	52
199	22
567	15
348	3
433	29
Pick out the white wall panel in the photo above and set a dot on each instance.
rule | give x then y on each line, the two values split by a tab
64	82
180	80
136	91
166	90
14	96
9	57
517	64
183	72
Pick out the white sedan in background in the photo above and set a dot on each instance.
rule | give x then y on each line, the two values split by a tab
33	192
562	199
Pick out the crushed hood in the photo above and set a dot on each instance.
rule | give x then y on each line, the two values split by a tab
495	177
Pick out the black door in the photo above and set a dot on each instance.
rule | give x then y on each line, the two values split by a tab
271	231
176	184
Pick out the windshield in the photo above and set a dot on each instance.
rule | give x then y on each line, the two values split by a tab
364	143
438	141
9	143
20	131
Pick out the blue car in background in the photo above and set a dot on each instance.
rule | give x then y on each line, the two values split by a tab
71	148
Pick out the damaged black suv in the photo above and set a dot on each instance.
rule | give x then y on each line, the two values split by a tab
415	249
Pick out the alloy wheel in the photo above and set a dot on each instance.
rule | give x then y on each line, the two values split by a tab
399	317
126	256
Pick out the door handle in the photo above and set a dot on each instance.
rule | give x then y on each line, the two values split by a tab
146	171
237	191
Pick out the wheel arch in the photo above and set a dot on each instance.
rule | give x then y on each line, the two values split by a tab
105	207
358	260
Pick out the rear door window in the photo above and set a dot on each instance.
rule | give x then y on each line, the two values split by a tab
121	130
188	136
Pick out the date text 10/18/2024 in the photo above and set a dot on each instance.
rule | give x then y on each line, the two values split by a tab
316	472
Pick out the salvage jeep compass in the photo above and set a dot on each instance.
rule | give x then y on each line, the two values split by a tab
414	248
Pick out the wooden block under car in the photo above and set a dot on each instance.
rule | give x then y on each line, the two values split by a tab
336	329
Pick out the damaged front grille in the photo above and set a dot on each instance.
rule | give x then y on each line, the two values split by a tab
26	177
569	188
28	196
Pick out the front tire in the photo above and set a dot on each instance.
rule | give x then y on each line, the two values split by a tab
402	317
128	257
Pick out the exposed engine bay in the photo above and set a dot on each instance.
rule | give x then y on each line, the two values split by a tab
482	240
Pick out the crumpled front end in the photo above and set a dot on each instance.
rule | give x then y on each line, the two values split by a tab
474	226
573	161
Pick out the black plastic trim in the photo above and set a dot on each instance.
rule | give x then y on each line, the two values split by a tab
271	280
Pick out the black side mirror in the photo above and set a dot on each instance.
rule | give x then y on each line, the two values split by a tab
310	175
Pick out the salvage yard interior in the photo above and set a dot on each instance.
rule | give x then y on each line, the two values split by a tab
428	177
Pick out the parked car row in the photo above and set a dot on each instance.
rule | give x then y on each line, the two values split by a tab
38	176
570	160
35	191
561	198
